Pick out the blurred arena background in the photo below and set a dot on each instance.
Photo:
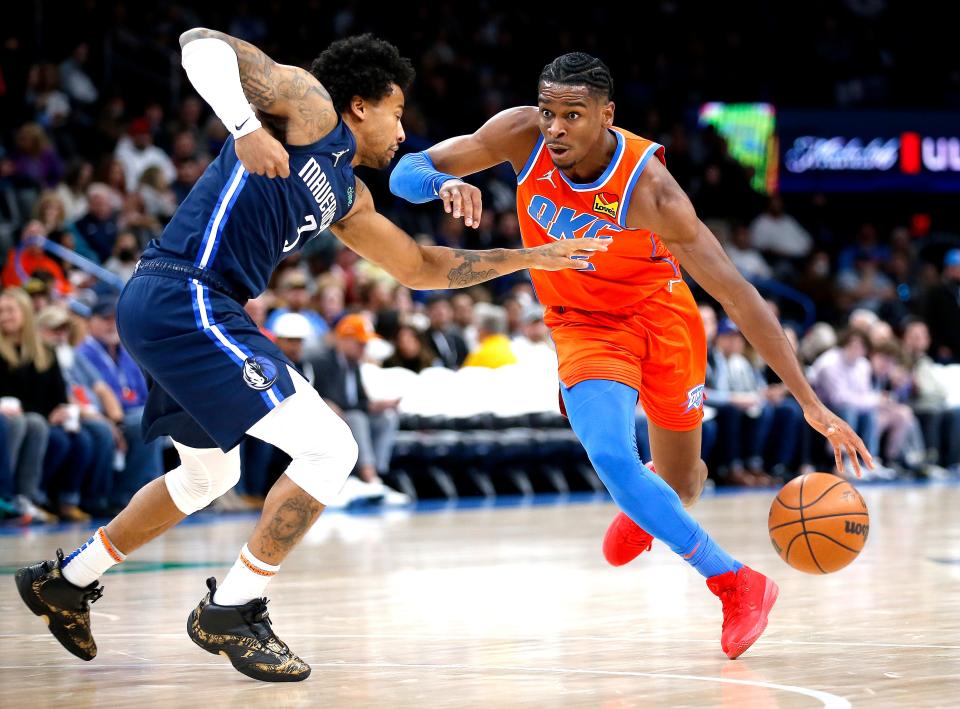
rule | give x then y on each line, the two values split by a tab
821	144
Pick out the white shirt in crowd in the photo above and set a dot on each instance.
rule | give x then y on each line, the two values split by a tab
135	162
781	235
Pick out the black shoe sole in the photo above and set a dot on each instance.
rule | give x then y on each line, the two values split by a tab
250	672
25	589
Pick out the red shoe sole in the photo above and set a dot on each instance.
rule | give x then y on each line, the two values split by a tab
770	594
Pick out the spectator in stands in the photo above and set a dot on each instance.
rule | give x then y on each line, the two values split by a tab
930	398
188	172
494	350
411	352
111	173
136	152
864	285
897	426
73	190
942	311
116	367
533	345
75	80
99	228
463	319
866	248
843	378
777	233
50	212
513	308
26	437
734	388
34	158
291	331
159	200
292	291
331	305
448	346
748	260
373	423
126	253
51	105
29	372
100	414
30	261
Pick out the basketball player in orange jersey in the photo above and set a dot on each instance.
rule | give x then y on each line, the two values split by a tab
626	325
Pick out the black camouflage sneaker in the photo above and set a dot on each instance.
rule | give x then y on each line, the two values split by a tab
244	636
64	607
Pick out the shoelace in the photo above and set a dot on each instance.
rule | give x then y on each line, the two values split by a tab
258	618
636	537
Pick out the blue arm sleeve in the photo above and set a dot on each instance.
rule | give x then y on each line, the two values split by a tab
416	180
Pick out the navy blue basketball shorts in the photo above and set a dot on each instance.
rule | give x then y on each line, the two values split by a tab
212	373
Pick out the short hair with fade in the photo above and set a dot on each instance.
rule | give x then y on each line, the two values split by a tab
579	69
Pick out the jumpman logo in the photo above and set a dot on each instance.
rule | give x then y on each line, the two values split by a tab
672	282
548	176
339	155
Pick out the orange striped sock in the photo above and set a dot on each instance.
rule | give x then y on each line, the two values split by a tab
246	580
89	561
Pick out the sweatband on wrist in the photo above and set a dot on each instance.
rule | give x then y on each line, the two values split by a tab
416	180
211	65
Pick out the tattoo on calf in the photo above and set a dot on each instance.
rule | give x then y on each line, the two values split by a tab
290	522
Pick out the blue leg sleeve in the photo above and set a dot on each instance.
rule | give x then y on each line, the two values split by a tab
602	415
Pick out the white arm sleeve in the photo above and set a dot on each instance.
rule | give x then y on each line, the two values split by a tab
211	65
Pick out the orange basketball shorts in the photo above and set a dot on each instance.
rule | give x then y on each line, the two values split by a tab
656	346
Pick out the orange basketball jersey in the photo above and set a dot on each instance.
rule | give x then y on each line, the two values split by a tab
550	206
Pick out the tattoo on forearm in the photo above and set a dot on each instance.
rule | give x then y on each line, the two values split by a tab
465	274
290	522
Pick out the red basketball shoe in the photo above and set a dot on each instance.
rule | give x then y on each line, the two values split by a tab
625	540
747	598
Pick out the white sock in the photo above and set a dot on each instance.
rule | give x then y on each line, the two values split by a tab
246	580
88	563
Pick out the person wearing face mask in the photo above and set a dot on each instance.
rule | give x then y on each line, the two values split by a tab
115	366
99	411
126	253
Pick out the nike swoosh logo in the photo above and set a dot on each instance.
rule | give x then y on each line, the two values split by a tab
242	124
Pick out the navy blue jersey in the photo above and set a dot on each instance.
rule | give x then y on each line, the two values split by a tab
241	225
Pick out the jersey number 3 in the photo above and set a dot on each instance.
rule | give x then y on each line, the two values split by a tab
311	225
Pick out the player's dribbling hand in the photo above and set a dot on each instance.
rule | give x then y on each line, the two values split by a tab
262	154
568	253
462	200
840	435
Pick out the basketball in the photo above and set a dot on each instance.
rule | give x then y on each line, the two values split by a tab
818	523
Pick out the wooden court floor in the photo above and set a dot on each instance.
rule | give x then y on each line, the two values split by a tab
515	607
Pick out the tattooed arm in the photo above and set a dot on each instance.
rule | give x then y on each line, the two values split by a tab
377	239
231	74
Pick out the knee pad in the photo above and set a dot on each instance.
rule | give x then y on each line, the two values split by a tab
319	443
202	476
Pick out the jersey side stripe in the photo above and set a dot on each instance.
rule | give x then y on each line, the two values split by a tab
221	213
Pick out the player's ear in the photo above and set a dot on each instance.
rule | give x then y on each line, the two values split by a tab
607	112
358	107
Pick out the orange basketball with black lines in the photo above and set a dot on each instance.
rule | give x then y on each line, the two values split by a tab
818	523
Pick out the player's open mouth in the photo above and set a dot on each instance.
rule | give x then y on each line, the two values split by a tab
558	150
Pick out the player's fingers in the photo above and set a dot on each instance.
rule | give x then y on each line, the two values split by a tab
447	201
457	203
852	454
477	209
270	172
864	453
283	167
593	244
466	205
838	455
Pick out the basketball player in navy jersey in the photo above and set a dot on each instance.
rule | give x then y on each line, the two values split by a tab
285	175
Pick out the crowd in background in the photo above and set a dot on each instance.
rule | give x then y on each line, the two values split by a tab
96	152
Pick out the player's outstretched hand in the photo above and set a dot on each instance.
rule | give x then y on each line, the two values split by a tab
262	154
840	435
568	253
462	200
